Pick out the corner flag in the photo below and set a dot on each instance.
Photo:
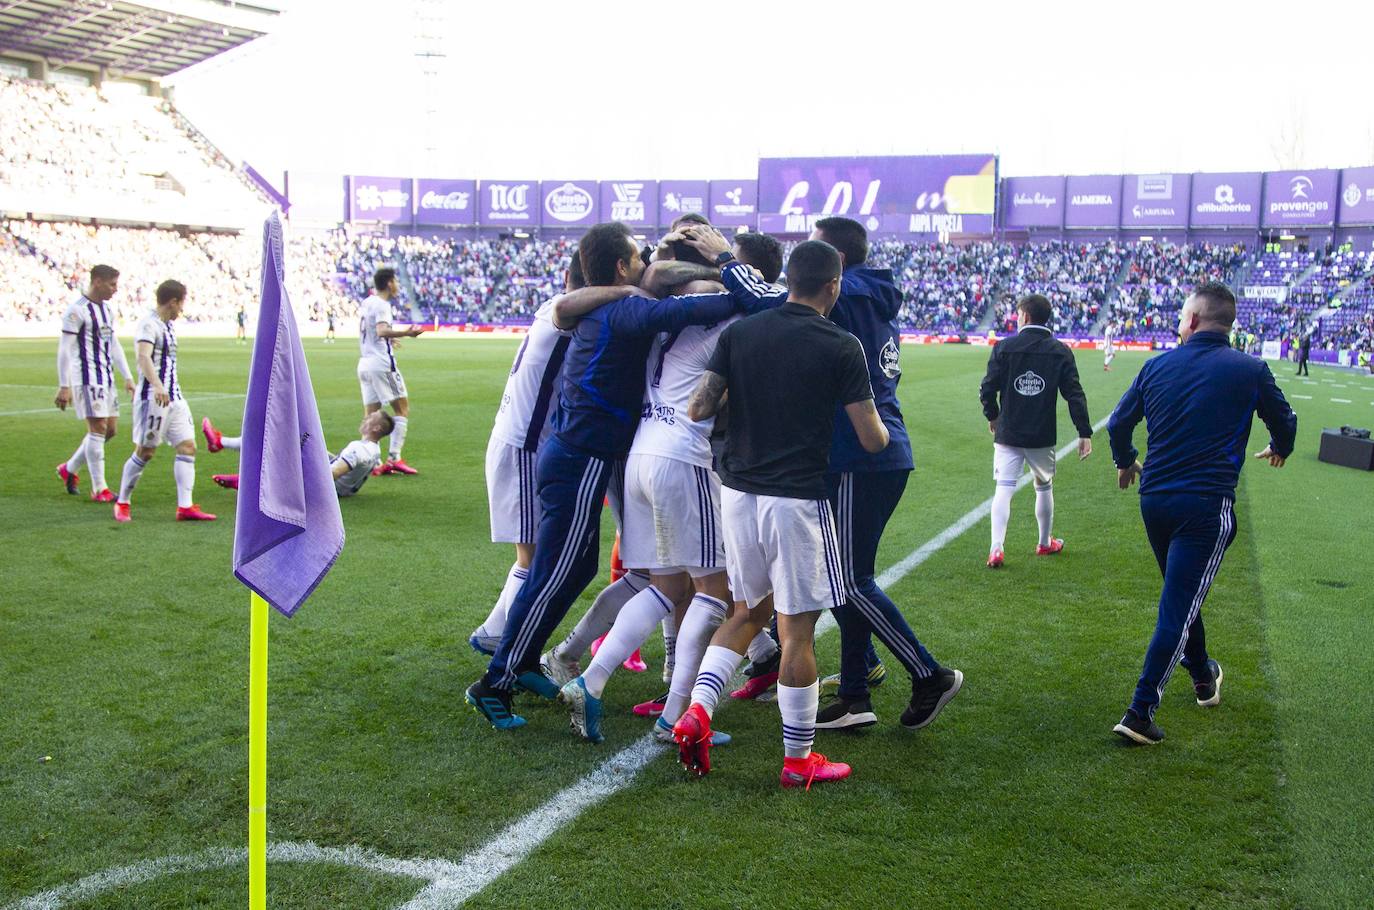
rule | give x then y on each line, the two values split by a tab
288	530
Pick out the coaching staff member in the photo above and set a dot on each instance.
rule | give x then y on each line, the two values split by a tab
1028	372
1198	402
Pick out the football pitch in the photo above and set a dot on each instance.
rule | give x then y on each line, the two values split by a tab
124	670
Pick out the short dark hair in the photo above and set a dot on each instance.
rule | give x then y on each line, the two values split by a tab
575	279
170	290
1216	302
812	265
690	218
762	252
103	272
602	248
388	424
383	277
1037	308
847	236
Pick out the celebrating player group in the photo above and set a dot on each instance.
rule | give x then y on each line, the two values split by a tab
748	437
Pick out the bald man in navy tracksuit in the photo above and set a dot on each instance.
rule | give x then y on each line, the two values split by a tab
1198	402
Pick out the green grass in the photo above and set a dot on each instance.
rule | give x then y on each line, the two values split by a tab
124	658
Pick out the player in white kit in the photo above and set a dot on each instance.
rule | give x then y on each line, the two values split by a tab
381	381
161	413
523	421
350	468
1108	346
672	524
88	353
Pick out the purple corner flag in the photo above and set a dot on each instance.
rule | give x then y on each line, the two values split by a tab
288	531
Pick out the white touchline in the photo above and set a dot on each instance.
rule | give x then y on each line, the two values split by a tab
1341	400
52	409
1303	397
450	884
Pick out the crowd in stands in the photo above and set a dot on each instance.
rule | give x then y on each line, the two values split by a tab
1138	288
73	143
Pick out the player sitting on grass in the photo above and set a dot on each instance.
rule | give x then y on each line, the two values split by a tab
351	467
161	414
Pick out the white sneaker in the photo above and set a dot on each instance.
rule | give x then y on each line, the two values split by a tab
561	672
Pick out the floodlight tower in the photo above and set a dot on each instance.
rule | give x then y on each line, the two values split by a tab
431	19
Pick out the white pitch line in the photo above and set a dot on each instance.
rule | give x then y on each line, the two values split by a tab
52	409
1303	397
484	865
1341	400
138	873
450	884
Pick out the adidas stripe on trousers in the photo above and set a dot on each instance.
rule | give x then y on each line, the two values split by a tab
572	487
864	502
1189	534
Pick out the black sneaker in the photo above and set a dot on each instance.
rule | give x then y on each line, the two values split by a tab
1208	691
1137	729
764	668
494	705
930	695
843	714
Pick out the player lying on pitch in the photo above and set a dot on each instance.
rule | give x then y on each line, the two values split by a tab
351	467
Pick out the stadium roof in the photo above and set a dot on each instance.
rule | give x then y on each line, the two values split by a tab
152	39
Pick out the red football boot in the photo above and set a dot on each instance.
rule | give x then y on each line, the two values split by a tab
399	467
651	708
228	481
214	439
692	733
68	478
996	559
193	513
755	686
801	772
121	512
104	495
1056	546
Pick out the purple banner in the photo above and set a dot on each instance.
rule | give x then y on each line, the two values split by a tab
568	203
734	203
1357	195
634	202
942	194
682	197
1300	198
1032	202
510	203
1155	200
445	201
1093	201
385	199
1225	200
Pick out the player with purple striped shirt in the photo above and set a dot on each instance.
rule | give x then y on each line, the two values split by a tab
161	413
87	356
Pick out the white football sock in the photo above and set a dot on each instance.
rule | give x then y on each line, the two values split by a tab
634	624
495	623
798	708
397	437
95	460
1001	514
762	648
704	616
184	472
597	621
718	665
1044	513
231	442
78	459
133	470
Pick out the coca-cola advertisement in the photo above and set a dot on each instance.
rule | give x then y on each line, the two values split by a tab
445	201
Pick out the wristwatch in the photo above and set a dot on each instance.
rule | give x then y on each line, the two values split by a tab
724	258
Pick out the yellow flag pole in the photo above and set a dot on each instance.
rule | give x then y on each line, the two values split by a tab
257	756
